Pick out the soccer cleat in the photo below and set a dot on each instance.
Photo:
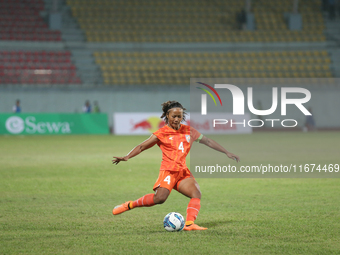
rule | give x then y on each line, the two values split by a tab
193	227
121	208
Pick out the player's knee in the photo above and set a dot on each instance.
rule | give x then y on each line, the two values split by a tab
160	199
197	194
161	196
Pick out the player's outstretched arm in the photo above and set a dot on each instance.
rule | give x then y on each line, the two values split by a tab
216	146
148	143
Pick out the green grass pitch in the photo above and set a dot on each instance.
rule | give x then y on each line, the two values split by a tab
57	195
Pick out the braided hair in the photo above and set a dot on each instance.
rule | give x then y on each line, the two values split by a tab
166	106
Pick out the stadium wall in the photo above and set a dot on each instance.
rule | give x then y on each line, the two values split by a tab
110	100
324	101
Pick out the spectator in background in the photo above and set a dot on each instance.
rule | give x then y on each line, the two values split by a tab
241	18
310	122
324	5
87	107
17	107
96	108
331	9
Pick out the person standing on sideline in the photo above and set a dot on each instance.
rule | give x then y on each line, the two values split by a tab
17	108
96	108
87	107
310	122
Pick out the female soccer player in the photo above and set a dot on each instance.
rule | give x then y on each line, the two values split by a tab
175	140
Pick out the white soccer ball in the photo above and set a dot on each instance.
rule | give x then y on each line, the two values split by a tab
173	222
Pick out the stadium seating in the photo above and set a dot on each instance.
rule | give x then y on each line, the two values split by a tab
193	21
169	68
20	20
269	15
37	67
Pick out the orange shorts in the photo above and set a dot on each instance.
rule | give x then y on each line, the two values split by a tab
171	179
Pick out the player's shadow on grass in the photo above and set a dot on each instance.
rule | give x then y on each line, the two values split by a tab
155	231
210	224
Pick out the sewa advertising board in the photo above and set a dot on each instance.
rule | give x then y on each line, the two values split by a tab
147	123
53	124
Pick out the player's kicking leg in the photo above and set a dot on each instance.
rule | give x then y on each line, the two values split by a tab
145	201
121	208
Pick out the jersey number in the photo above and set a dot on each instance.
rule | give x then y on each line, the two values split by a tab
167	179
180	147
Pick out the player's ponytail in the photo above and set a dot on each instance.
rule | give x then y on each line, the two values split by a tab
166	106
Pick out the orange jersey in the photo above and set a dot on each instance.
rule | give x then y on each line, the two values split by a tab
175	145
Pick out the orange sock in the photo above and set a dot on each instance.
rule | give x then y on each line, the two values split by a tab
146	200
192	210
